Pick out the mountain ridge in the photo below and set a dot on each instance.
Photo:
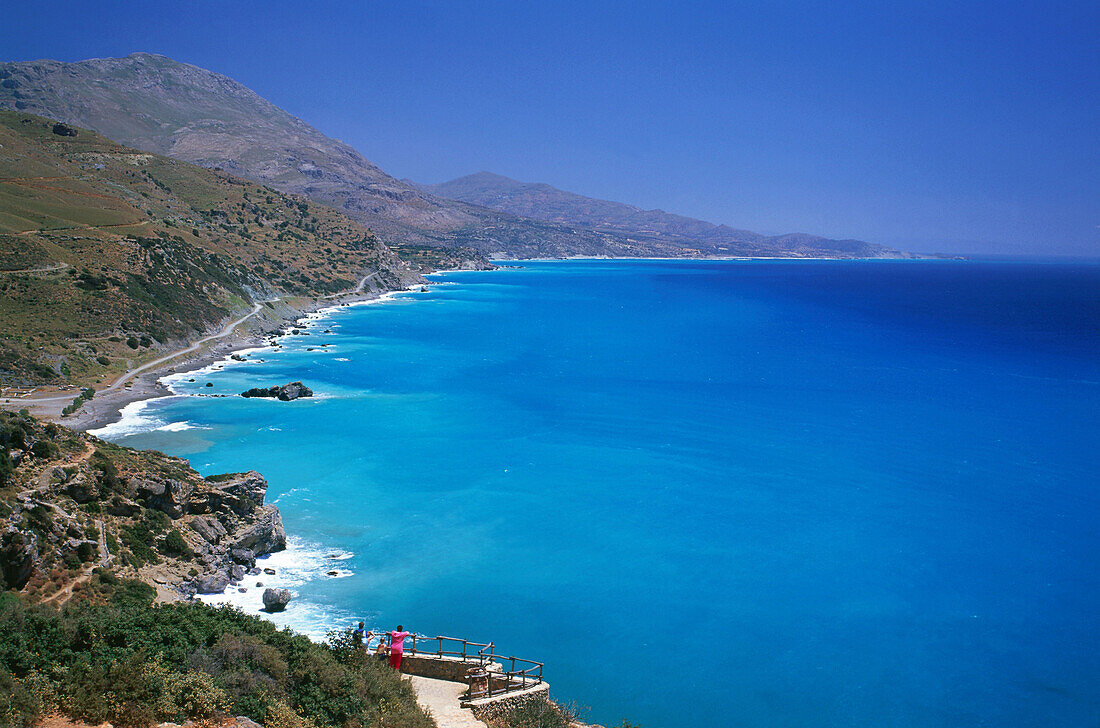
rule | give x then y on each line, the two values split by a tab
545	202
199	116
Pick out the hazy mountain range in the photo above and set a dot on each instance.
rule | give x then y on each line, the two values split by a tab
156	104
544	202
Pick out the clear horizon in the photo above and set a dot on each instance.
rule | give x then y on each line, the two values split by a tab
961	129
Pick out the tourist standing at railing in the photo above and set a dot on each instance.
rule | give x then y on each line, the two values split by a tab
397	646
360	637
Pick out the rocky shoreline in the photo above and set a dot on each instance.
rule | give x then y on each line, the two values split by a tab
274	319
80	503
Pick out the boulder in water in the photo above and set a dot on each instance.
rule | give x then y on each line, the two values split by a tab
285	393
275	600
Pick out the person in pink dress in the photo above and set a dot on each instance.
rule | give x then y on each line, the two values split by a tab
397	646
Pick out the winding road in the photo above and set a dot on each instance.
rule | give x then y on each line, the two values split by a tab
131	373
226	331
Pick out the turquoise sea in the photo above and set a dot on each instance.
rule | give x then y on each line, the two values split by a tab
738	493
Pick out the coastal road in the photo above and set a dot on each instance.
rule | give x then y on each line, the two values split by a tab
357	289
131	373
226	331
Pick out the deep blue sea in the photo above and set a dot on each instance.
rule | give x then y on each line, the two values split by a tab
738	493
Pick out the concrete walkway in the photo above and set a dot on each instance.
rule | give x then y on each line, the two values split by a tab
441	698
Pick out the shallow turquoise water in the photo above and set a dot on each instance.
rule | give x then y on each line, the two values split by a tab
721	493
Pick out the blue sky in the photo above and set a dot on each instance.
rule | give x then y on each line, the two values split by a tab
954	127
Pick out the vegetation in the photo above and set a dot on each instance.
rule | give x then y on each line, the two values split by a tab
537	714
88	498
114	656
107	254
85	394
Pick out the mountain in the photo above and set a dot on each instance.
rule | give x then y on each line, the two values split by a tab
544	202
108	253
160	105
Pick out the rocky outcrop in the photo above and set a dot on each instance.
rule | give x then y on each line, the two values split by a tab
18	556
266	534
82	489
212	583
167	495
285	393
245	557
210	530
275	600
143	514
250	485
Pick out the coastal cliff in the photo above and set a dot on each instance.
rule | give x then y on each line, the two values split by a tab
71	502
92	535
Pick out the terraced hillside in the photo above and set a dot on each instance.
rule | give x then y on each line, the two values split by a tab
107	252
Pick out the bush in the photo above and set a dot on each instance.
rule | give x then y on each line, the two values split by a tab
86	551
537	714
19	706
174	545
111	655
104	361
132	342
44	449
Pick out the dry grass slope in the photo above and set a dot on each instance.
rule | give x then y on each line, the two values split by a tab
108	254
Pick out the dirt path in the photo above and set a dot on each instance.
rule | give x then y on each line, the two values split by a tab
66	592
44	476
85	227
41	269
442	698
131	373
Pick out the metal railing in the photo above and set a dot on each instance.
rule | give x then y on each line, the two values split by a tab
499	681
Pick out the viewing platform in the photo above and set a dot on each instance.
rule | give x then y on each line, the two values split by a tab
463	682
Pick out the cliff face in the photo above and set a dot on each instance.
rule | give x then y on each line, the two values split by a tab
70	502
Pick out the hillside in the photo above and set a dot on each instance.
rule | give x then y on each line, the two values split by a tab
159	105
70	502
544	202
90	534
108	253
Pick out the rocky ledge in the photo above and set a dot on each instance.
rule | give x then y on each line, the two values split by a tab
285	393
82	503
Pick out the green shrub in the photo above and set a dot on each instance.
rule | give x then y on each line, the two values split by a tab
111	655
44	449
174	545
537	714
106	472
19	706
86	551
